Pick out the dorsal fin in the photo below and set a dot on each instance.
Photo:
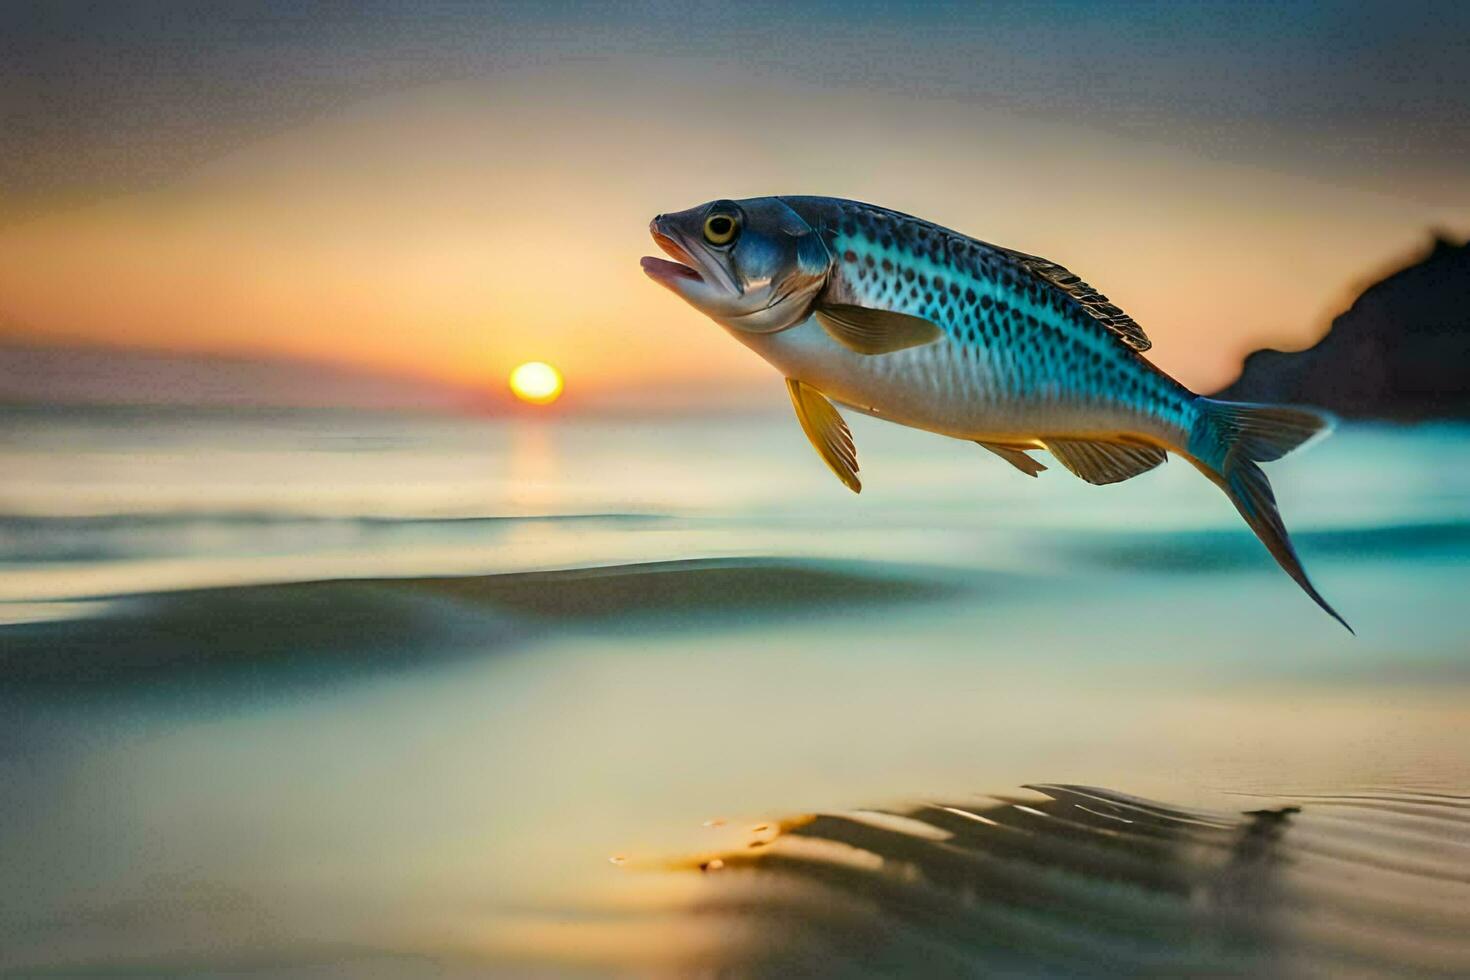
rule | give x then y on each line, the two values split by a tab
1094	303
1101	463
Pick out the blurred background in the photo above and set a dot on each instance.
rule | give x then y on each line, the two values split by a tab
324	650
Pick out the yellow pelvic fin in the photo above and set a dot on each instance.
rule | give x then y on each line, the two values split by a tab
870	331
1015	456
1101	463
828	433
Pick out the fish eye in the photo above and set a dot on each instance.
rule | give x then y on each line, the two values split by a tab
721	229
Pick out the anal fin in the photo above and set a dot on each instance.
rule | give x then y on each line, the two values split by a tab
1016	457
829	435
1103	462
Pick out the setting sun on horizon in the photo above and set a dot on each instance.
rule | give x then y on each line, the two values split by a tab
386	224
536	382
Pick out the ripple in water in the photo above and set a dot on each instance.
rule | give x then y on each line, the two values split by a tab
1074	880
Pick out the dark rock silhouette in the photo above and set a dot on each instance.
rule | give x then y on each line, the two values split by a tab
1401	351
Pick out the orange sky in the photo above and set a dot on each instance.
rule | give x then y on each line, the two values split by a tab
454	230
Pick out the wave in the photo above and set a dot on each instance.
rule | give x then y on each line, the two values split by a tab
32	539
28	538
254	635
1231	549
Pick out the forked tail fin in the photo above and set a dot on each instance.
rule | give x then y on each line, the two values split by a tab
1231	438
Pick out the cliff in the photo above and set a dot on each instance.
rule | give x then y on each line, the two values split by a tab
1401	351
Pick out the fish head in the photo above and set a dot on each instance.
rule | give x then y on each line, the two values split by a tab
752	265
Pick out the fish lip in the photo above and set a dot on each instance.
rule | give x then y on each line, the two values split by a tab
663	270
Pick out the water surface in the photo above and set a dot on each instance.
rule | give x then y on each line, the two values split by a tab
322	692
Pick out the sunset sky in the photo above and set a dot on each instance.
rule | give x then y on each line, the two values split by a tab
447	190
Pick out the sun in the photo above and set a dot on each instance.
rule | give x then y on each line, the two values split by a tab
536	382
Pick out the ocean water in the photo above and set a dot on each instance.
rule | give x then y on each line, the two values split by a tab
338	694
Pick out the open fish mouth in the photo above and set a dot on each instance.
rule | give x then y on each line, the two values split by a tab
665	271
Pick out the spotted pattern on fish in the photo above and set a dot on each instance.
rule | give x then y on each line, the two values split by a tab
1017	343
900	318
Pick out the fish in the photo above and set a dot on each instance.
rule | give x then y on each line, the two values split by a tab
902	319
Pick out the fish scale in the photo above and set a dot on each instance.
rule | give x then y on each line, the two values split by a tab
1016	350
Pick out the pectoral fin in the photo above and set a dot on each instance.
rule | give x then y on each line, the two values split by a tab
828	433
870	331
1101	463
1016	457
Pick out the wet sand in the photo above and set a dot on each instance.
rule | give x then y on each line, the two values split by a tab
1077	880
213	746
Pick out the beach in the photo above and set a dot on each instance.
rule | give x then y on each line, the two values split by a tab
339	693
